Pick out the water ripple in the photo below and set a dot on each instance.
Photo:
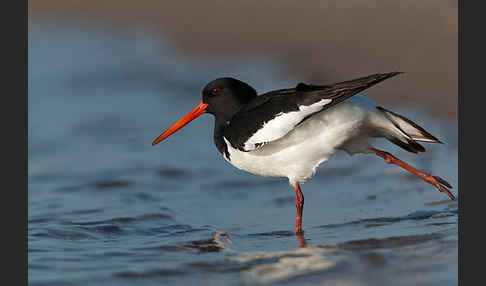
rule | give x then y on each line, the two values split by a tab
126	220
149	274
417	215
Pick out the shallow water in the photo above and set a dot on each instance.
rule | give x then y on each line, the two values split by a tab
105	207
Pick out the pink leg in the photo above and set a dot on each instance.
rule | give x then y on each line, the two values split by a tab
436	181
299	205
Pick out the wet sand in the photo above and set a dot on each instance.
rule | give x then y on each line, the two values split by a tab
316	42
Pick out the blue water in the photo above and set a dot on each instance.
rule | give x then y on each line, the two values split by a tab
105	207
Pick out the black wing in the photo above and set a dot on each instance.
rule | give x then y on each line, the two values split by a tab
272	115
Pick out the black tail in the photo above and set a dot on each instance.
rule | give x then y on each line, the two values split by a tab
406	133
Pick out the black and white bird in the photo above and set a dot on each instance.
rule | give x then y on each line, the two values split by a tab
289	132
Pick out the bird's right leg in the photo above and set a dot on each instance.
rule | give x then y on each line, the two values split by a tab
436	181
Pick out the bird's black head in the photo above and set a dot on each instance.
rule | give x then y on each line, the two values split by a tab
225	96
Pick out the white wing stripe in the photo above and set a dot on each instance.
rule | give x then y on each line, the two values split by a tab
282	124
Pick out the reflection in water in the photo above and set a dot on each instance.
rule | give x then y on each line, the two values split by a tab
301	239
346	261
275	266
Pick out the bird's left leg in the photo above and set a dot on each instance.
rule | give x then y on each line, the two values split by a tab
436	181
299	205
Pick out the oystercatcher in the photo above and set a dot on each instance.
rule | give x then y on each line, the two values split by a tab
289	132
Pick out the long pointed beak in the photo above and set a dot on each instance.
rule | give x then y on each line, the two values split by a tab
198	110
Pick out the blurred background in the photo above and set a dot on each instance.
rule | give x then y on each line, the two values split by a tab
105	207
320	42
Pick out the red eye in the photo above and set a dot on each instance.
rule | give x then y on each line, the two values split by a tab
215	90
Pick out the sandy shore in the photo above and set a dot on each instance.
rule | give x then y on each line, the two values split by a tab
319	41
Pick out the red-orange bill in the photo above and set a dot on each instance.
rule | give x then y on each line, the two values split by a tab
198	110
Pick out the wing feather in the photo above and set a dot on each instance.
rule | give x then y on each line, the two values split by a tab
272	115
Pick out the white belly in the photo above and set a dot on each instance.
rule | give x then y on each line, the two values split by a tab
297	154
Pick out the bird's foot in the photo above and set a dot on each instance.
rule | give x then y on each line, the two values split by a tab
441	185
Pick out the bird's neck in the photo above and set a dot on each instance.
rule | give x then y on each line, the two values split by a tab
223	118
219	127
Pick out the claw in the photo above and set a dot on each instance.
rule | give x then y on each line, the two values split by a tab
439	183
449	194
442	181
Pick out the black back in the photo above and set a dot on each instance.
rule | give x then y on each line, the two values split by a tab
240	112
